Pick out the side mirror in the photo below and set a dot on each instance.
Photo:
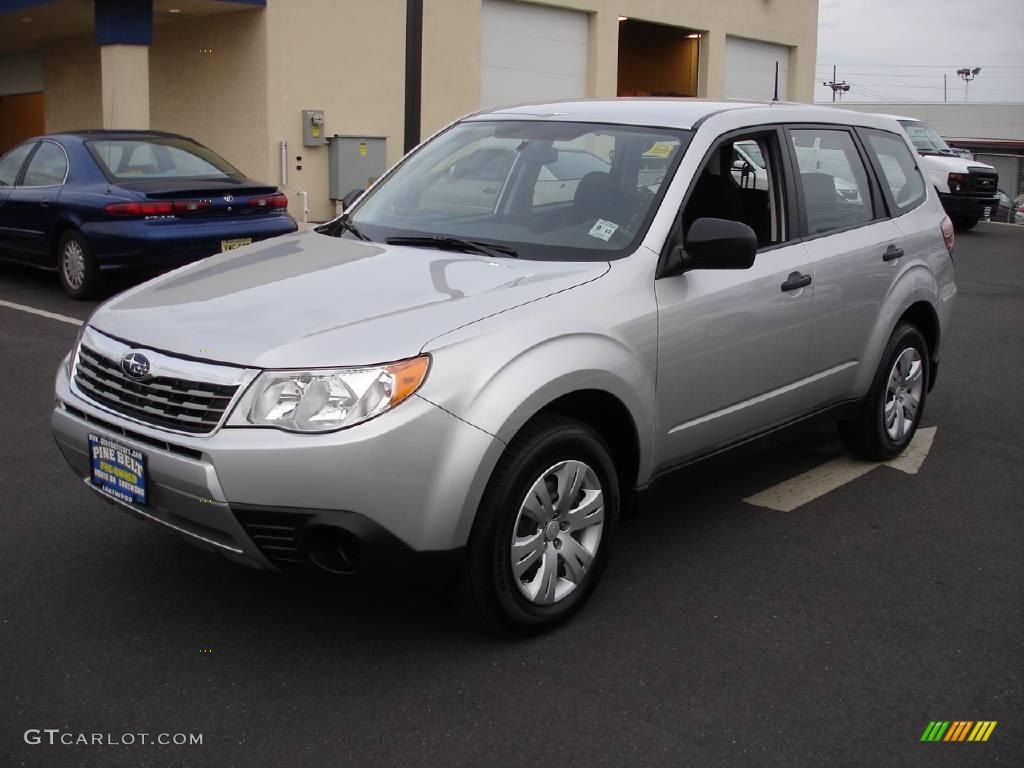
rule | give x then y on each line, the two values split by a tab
719	244
350	197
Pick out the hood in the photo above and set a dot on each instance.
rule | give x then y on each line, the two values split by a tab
310	300
951	164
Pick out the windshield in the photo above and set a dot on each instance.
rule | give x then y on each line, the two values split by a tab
542	189
925	138
158	158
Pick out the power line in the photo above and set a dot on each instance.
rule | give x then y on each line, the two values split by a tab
931	66
825	70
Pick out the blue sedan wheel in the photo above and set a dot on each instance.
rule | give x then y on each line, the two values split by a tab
78	272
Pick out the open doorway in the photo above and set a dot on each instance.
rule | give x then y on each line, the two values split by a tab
657	59
21	117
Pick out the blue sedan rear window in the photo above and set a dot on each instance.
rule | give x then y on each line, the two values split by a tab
158	158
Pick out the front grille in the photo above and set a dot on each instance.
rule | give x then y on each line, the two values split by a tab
275	533
186	406
144	439
983	182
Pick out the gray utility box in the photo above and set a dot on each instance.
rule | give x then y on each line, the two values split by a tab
356	162
313	128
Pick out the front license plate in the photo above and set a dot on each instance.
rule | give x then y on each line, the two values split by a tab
238	242
118	469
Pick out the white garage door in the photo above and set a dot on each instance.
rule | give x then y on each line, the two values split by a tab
750	69
531	53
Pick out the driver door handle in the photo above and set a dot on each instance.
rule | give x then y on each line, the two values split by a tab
892	252
796	280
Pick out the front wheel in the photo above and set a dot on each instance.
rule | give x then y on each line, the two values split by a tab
79	275
544	529
888	417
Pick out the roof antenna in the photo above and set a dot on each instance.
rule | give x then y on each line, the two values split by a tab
776	96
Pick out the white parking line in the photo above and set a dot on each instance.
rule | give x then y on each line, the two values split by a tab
797	491
41	312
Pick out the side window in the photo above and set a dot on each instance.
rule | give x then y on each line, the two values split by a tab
898	168
742	181
10	164
47	168
833	179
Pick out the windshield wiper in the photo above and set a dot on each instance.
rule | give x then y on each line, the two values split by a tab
336	227
456	243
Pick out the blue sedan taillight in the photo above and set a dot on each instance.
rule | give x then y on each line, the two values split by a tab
156	207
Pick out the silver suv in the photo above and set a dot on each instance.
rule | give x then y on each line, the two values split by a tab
530	318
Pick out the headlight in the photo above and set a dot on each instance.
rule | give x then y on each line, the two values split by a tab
322	400
957	182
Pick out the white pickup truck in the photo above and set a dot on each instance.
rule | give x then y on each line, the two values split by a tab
967	188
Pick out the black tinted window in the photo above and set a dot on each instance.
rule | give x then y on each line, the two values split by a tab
899	168
10	164
47	168
833	179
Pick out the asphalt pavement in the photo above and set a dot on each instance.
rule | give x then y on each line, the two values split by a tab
723	634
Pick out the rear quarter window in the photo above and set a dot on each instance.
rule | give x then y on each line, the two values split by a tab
898	168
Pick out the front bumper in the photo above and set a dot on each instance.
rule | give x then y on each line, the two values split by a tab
966	205
405	483
145	244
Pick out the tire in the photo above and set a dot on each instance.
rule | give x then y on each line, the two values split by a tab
79	275
495	592
965	223
878	433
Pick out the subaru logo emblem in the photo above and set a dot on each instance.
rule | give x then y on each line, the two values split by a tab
135	365
229	198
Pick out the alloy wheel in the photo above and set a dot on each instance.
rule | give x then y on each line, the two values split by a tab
557	532
73	264
903	394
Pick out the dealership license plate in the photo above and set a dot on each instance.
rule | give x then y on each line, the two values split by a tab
118	470
238	242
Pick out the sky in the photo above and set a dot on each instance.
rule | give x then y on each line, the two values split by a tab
898	50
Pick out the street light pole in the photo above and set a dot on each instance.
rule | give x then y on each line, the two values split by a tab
967	74
837	88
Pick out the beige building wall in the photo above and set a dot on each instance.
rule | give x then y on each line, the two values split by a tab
346	58
451	44
239	81
208	80
71	74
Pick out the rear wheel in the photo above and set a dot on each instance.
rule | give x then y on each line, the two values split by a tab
544	529
79	275
964	223
888	417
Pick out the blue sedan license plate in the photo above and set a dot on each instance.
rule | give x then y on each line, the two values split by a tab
118	469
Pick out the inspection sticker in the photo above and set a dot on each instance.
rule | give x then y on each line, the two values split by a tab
660	149
603	229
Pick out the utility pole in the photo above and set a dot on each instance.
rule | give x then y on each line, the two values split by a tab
836	87
967	74
944	88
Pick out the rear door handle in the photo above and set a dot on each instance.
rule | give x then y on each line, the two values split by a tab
891	253
44	203
796	280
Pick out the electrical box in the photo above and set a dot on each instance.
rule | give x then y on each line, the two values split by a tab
313	134
355	162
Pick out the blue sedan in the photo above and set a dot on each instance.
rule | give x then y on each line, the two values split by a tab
90	202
